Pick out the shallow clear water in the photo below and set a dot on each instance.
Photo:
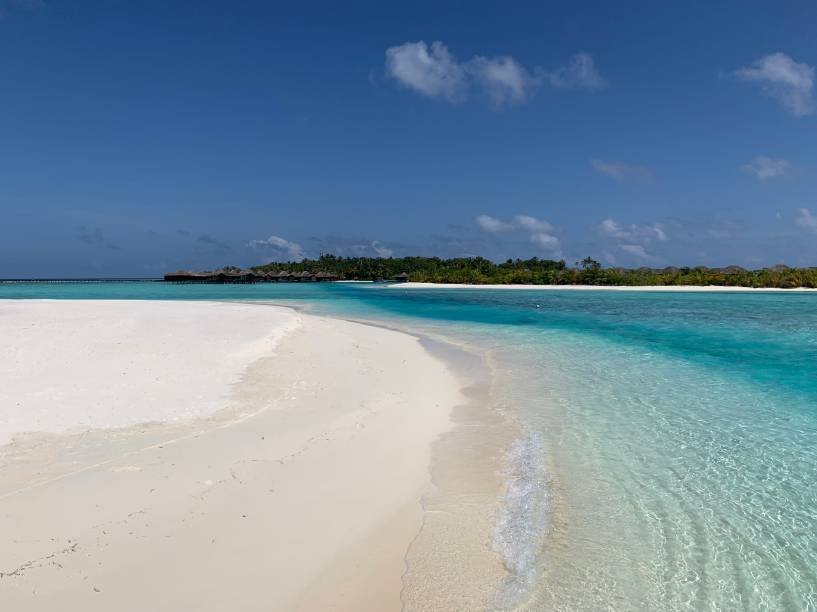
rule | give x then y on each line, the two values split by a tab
671	455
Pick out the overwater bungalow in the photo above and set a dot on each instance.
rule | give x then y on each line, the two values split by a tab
232	276
183	276
325	276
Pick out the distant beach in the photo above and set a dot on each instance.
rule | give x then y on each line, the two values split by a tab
658	288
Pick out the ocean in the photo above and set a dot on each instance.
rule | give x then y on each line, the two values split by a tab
667	448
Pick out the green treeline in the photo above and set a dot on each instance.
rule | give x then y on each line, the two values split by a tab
478	270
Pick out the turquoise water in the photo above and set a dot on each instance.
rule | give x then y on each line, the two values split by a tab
670	459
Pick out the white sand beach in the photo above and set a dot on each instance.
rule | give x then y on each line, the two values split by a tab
658	288
281	468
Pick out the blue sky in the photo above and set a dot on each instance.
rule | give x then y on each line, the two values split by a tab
142	137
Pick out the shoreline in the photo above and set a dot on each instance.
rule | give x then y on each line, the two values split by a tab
452	563
656	288
475	506
330	422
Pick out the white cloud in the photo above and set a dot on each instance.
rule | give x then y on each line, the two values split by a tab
491	224
765	167
620	171
632	233
806	219
546	242
436	73
637	250
532	223
524	222
381	249
433	72
610	227
634	239
352	247
539	230
782	78
580	73
279	247
504	80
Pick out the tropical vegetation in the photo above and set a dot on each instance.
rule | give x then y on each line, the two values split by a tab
535	271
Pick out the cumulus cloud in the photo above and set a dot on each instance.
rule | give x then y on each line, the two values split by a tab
633	233
806	220
766	168
503	79
546	242
636	250
434	72
780	77
346	246
633	239
381	250
278	247
580	73
492	224
532	223
620	171
540	231
525	222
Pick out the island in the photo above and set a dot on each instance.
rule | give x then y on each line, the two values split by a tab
483	271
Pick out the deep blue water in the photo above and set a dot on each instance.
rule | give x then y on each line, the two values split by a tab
678	432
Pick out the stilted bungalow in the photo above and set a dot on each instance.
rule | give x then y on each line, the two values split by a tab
232	276
185	276
325	276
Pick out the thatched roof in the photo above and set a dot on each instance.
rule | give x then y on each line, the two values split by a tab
186	275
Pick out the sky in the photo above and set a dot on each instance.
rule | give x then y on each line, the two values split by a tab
142	137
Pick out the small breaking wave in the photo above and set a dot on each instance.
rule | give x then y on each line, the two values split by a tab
522	523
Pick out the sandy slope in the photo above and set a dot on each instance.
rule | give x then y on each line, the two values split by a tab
303	494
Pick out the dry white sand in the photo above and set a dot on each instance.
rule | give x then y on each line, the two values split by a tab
79	365
301	493
658	288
